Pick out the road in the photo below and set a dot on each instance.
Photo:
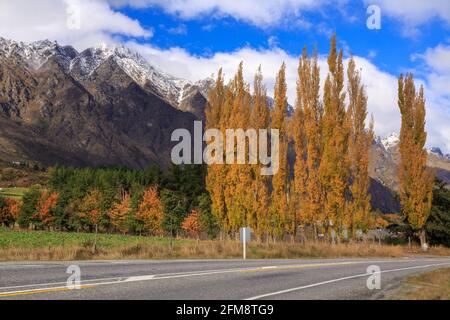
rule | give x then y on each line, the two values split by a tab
209	279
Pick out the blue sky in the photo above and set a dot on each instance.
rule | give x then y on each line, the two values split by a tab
192	39
389	48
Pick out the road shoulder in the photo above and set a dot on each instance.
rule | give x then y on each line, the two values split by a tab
431	285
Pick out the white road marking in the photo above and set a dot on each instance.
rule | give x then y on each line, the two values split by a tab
139	278
340	279
117	280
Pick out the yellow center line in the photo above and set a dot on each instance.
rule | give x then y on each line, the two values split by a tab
37	291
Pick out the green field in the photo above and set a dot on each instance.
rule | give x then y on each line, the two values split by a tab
45	239
13	193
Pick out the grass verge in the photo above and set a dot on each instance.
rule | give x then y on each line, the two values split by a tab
433	285
44	245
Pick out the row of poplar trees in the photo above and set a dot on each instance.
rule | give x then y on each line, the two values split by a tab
322	183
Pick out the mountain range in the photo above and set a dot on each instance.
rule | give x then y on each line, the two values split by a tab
108	106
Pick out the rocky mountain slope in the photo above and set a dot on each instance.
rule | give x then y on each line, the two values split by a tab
385	158
109	106
94	108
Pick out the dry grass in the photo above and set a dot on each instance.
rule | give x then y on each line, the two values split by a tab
433	285
210	249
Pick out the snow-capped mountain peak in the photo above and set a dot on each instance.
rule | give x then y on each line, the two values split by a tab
135	66
394	139
37	53
82	65
436	151
391	141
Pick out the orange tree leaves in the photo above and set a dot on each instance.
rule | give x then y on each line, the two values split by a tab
44	216
120	213
150	212
191	224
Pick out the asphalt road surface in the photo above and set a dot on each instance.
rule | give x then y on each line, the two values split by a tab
210	279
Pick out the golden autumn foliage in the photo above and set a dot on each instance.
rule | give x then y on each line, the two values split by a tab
215	113
280	220
380	222
333	167
232	186
360	140
150	211
416	179
298	132
306	131
120	212
238	181
327	187
260	117
191	224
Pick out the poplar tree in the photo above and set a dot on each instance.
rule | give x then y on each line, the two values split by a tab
243	192
299	196
260	118
279	207
333	167
416	179
313	131
215	119
359	208
307	138
233	184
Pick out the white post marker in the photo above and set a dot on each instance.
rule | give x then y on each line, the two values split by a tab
245	237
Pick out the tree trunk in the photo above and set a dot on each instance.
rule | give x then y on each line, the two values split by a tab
333	237
423	240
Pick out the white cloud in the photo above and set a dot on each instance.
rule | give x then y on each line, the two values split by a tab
273	41
257	12
25	20
437	89
438	58
413	13
179	30
372	54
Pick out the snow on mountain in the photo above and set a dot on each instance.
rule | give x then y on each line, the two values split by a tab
37	53
394	139
82	65
391	141
436	151
135	66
